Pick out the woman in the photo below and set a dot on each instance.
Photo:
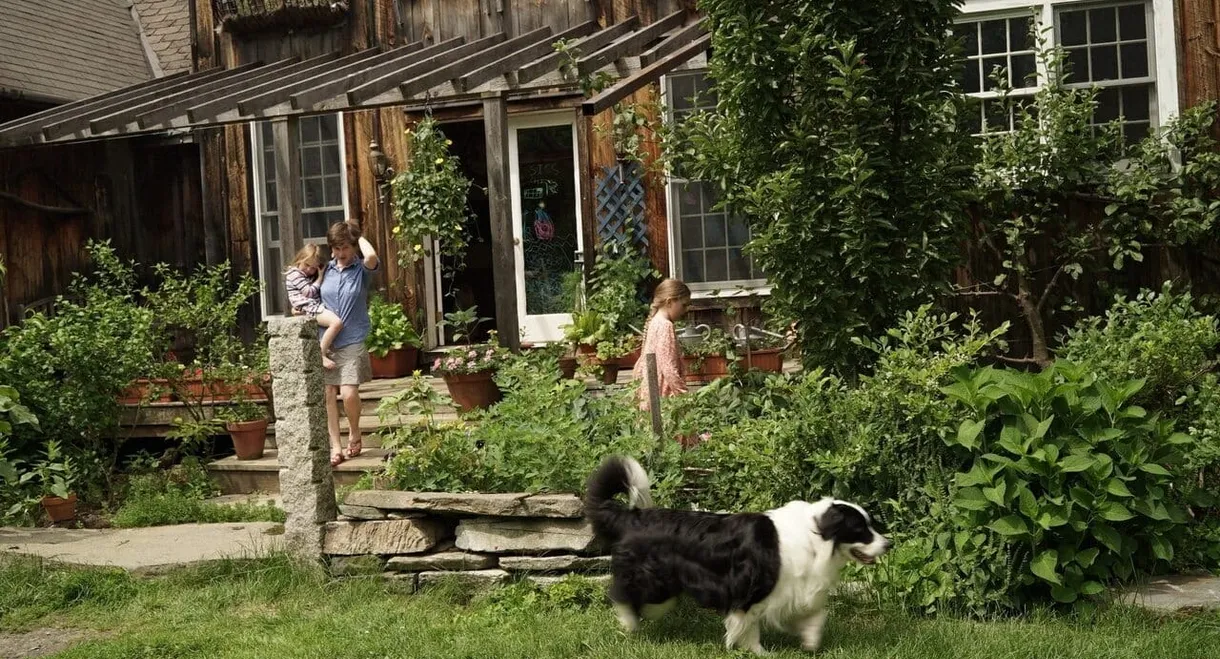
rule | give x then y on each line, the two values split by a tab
345	290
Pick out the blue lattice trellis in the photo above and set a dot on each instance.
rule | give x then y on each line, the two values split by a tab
620	204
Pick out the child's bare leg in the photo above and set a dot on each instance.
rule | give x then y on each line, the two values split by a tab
333	325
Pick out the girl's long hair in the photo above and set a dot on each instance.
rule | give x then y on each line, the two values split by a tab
667	291
310	254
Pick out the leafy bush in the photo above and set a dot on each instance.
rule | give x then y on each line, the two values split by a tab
546	434
1069	473
177	496
1161	338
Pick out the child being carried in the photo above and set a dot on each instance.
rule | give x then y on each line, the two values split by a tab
303	279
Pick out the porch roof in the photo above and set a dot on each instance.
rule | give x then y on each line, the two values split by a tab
455	71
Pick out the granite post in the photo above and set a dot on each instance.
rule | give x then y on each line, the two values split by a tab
306	483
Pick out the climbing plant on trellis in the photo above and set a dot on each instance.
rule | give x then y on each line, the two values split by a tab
620	205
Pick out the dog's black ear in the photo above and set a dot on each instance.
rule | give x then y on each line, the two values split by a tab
830	523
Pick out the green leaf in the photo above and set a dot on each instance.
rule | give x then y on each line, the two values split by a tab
1161	547
1044	566
968	433
1027	503
1077	462
1118	488
1086	557
1154	468
976	476
1091	588
1107	536
1009	526
1064	594
971	498
996	494
1115	512
1179	438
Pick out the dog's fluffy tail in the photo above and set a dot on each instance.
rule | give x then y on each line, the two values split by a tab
617	475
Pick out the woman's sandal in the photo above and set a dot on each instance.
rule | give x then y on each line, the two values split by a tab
337	459
355	448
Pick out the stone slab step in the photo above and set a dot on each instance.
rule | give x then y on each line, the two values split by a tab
235	476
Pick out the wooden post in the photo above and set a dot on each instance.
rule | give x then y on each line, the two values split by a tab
654	395
503	248
588	202
287	138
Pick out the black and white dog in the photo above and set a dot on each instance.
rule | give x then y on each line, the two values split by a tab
777	567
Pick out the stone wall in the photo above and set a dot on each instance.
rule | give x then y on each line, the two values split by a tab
423	537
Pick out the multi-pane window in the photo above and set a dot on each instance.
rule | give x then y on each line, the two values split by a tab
1106	45
709	244
322	198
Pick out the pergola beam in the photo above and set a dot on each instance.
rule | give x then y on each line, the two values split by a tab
436	76
521	57
32	122
551	62
282	91
631	44
392	79
80	120
649	74
671	43
332	86
211	109
129	113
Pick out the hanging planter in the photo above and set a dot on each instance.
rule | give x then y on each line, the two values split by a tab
252	16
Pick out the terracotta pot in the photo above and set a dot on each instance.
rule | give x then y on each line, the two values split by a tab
137	391
249	438
567	367
475	390
395	363
610	371
768	359
60	510
627	361
586	349
713	367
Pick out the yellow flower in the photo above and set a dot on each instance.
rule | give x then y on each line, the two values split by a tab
397	229
419	248
448	142
440	160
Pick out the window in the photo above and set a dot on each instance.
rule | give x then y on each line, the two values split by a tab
322	195
707	244
1109	45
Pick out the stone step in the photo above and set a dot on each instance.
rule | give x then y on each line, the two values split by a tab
235	476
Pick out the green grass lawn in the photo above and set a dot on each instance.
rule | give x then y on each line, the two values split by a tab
271	608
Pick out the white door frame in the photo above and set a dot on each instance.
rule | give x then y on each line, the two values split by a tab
542	328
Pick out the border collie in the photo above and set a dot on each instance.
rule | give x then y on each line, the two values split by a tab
777	567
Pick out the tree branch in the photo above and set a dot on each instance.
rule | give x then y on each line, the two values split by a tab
54	210
1018	360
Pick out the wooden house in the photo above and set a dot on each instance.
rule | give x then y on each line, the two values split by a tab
321	92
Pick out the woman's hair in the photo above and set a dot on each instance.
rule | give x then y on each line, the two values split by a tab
310	254
667	291
343	233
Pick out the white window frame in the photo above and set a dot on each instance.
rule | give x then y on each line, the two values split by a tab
699	290
1162	44
270	273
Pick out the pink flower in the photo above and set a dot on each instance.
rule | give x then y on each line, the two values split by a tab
704	436
472	353
436	364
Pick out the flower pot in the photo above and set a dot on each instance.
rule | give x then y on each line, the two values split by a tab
768	359
60	510
137	392
628	360
395	363
249	438
701	370
472	390
610	369
567	367
586	349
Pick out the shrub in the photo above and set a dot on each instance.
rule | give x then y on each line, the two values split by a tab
546	434
1161	338
1068	473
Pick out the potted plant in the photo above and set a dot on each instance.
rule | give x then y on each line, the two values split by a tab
708	359
609	353
246	422
56	477
468	370
393	342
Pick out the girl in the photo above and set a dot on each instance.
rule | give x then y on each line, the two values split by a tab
303	279
670	301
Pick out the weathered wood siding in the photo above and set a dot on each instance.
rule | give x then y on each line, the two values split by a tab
1198	24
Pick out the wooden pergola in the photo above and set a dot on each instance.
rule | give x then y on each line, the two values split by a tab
487	73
